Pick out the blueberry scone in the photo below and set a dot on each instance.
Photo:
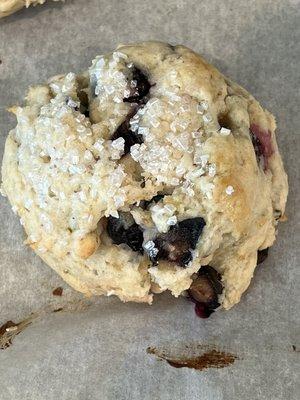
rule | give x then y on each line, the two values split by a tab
149	172
8	7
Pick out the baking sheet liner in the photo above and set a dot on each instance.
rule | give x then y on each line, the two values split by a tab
62	346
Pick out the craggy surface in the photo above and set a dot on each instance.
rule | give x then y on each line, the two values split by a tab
124	181
256	44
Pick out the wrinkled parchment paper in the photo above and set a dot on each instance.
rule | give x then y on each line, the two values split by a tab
97	348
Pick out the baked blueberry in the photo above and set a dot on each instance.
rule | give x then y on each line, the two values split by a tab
144	204
139	86
177	244
125	230
262	255
127	134
204	291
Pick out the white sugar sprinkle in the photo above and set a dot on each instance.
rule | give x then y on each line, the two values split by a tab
82	196
207	118
174	181
143	131
172	220
114	213
151	249
119	201
118	144
180	170
155	123
196	173
72	103
169	208
135	152
149	245
126	93
204	159
204	105
229	190
88	156
196	134
98	145
212	170
225	132
190	192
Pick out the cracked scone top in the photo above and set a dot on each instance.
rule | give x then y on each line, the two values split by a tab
131	176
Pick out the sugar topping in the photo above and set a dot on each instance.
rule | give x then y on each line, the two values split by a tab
110	80
150	249
163	216
117	148
229	190
172	128
62	143
224	131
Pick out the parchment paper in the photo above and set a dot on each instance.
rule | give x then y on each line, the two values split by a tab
97	349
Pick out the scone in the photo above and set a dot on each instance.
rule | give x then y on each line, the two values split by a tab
149	172
8	7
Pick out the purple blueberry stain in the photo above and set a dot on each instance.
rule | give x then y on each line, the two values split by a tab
262	143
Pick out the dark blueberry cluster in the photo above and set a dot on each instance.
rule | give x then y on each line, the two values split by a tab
177	244
127	134
139	87
120	232
145	204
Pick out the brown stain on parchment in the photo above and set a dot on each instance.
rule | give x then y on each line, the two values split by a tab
10	330
58	291
211	358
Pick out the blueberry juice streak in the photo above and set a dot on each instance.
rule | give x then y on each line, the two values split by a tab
262	143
